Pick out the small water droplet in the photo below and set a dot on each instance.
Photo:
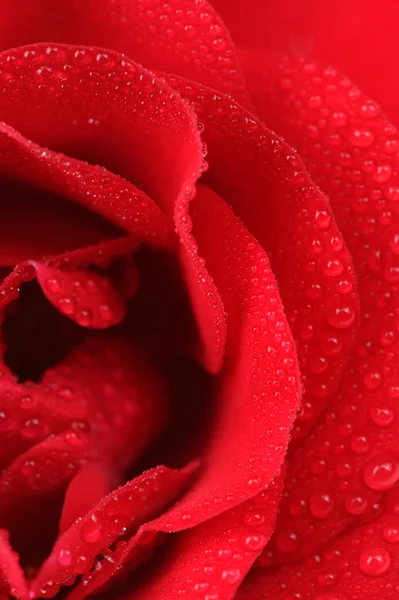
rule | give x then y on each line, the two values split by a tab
361	138
323	219
391	534
64	557
92	529
231	576
355	505
53	284
372	380
321	505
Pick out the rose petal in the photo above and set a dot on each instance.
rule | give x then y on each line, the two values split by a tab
121	511
310	29
45	467
87	298
183	37
292	220
350	148
258	394
362	563
104	387
11	574
50	225
210	561
90	186
98	115
91	483
100	255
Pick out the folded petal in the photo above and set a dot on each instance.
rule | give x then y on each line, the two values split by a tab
343	470
310	29
362	563
211	560
98	116
257	396
122	511
88	298
91	483
183	37
12	580
104	388
292	220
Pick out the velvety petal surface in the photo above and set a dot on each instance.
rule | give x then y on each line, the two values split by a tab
182	36
341	474
122	511
356	37
293	221
211	560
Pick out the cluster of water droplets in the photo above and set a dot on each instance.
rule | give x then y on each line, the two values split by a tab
349	465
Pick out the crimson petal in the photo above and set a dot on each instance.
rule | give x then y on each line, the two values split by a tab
12	580
292	220
362	563
183	37
310	29
258	395
91	483
121	511
87	298
211	560
350	149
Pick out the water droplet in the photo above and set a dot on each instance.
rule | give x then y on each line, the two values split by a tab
254	518
382	173
382	416
231	576
355	505
64	557
361	138
66	306
321	505
360	444
333	267
92	529
84	317
369	110
323	219
375	561
381	473
392	193
288	542
372	380
327	579
341	317
391	534
53	284
254	542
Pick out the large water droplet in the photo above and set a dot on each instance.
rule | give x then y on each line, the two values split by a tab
381	473
341	317
375	561
92	530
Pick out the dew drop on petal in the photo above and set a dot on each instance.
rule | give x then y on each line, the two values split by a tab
381	473
375	561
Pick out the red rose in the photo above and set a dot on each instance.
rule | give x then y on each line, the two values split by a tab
244	286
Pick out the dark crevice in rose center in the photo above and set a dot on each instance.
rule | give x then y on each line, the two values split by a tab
36	335
35	223
33	529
